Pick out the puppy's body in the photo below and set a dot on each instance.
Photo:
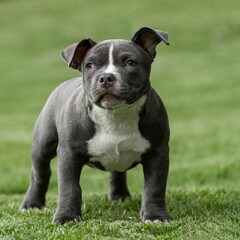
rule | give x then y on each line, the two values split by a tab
110	119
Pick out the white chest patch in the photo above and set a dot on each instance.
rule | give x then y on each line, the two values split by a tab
117	143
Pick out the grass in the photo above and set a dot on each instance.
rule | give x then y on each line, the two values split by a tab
106	220
198	79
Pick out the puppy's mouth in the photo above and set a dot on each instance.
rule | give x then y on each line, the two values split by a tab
110	101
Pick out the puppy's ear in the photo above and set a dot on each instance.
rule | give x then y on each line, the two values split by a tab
75	53
148	39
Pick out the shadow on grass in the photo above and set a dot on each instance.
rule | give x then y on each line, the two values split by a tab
182	205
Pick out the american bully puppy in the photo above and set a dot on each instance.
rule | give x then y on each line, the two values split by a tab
110	118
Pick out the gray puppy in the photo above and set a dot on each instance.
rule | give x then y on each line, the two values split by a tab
111	119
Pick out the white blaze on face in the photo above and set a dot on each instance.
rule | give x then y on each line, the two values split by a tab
111	68
110	100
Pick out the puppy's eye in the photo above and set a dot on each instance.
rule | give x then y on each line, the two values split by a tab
89	66
131	63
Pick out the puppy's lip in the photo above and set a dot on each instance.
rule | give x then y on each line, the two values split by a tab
108	97
110	100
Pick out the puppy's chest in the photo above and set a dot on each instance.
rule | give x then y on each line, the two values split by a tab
117	143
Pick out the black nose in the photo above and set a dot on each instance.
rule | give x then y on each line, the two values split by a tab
106	80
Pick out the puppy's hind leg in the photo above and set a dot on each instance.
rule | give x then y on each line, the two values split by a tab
43	150
118	189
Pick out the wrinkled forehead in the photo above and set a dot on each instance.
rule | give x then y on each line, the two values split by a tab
102	48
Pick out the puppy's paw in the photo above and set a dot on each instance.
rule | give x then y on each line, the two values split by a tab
63	217
122	197
155	216
32	203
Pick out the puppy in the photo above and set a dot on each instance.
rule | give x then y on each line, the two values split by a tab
110	118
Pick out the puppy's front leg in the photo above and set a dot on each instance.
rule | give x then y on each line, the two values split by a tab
69	190
155	168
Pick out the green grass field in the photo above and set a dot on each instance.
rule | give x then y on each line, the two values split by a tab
198	77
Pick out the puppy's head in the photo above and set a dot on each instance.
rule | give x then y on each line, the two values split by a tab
115	72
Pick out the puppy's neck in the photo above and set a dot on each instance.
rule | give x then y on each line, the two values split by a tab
122	113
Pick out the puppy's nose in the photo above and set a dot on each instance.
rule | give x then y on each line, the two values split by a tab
106	80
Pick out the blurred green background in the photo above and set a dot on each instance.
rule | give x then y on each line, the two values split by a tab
197	76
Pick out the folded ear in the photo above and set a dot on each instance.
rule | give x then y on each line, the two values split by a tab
148	39
75	53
